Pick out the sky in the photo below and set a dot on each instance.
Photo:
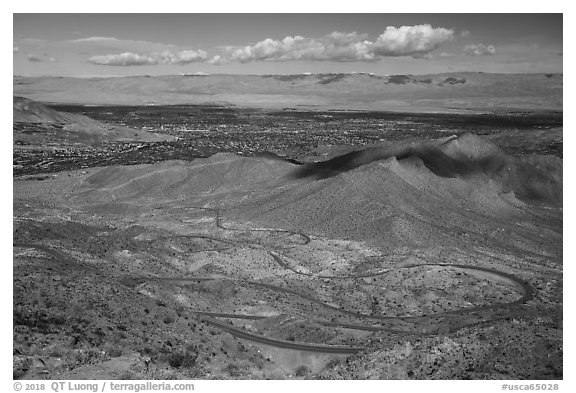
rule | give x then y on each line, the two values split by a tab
90	45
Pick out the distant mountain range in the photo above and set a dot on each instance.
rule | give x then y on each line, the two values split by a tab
449	92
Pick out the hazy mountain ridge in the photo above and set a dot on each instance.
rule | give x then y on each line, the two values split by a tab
450	92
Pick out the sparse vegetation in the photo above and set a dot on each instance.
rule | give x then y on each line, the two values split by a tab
435	258
302	371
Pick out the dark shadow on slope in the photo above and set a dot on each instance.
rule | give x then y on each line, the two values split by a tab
434	159
275	157
533	178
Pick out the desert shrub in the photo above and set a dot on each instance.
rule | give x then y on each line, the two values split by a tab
39	321
302	371
112	349
180	310
58	352
233	370
127	375
18	373
21	367
85	356
182	359
169	319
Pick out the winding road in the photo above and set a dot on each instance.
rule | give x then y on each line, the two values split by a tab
524	288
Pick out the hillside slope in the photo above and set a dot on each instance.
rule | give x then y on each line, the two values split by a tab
208	269
219	174
35	123
461	191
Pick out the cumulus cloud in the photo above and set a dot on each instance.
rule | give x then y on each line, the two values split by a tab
34	58
446	55
217	60
479	50
197	73
336	46
135	59
187	56
414	41
289	48
122	59
411	40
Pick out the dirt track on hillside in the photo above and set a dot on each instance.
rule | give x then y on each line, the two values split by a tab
524	288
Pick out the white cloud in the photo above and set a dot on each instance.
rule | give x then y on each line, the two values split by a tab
339	38
135	59
336	46
216	60
415	41
479	50
411	40
187	56
122	59
197	73
290	48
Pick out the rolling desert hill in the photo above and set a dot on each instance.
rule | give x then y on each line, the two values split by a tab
450	92
395	203
417	193
257	267
532	177
35	123
28	111
173	180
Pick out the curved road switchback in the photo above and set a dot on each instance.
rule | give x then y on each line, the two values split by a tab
524	288
237	332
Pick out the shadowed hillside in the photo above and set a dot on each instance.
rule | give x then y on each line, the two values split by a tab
425	192
531	177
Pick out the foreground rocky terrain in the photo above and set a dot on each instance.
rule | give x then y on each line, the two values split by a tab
421	259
